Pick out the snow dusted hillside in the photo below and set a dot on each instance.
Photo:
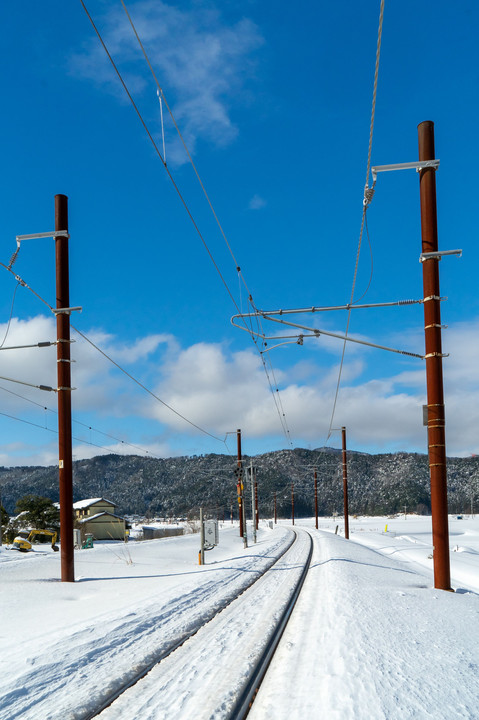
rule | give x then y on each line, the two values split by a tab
370	637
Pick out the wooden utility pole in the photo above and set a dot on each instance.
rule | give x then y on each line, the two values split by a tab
345	486
275	511
292	502
242	507
253	502
435	394
316	497
239	484
65	464
201	554
256	508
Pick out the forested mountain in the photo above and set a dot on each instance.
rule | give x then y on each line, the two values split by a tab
378	484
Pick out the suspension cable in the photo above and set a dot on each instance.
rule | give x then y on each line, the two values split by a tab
183	201
367	200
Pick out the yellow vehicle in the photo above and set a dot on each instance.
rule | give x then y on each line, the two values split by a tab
24	544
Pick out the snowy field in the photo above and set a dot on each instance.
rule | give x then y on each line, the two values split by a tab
370	637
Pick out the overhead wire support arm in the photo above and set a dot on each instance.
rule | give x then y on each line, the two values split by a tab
417	165
47	343
316	332
327	308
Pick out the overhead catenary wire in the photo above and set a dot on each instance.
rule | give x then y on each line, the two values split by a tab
78	422
183	201
161	95
11	315
125	372
367	199
55	432
140	384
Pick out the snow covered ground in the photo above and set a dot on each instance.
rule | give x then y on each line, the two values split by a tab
370	637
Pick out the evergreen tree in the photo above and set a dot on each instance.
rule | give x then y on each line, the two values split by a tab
41	513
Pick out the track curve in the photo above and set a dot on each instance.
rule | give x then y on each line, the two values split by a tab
219	669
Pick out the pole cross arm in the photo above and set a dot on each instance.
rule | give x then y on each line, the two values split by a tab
418	166
316	332
437	255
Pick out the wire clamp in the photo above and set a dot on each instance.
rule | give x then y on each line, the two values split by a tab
434	297
436	354
368	195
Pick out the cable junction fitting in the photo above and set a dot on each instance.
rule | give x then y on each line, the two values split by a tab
23	347
34	236
434	297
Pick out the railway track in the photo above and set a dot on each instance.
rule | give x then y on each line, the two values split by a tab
217	670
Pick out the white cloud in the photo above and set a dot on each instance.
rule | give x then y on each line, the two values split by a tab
220	390
201	63
256	203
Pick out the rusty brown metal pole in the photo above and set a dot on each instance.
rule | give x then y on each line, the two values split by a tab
292	502
239	485
256	508
316	497
435	394
275	512
345	486
65	464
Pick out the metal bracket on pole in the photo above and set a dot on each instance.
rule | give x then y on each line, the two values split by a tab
66	311
438	255
418	166
38	236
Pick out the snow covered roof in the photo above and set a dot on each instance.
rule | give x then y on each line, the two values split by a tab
93	517
91	501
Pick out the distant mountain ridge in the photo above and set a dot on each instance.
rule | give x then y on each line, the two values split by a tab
178	486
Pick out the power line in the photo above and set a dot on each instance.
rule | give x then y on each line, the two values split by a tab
183	201
77	422
368	192
140	384
11	314
55	432
22	282
160	91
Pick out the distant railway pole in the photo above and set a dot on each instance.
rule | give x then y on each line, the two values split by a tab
65	463
316	497
253	500
240	486
436	421
345	486
256	508
275	510
292	502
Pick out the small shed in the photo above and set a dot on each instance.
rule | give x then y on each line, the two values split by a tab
103	526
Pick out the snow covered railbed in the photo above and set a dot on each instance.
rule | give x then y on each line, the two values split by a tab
208	674
70	672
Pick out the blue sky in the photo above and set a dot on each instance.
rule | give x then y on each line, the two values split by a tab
274	102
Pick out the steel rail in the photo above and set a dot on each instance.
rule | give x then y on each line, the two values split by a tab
181	641
248	694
